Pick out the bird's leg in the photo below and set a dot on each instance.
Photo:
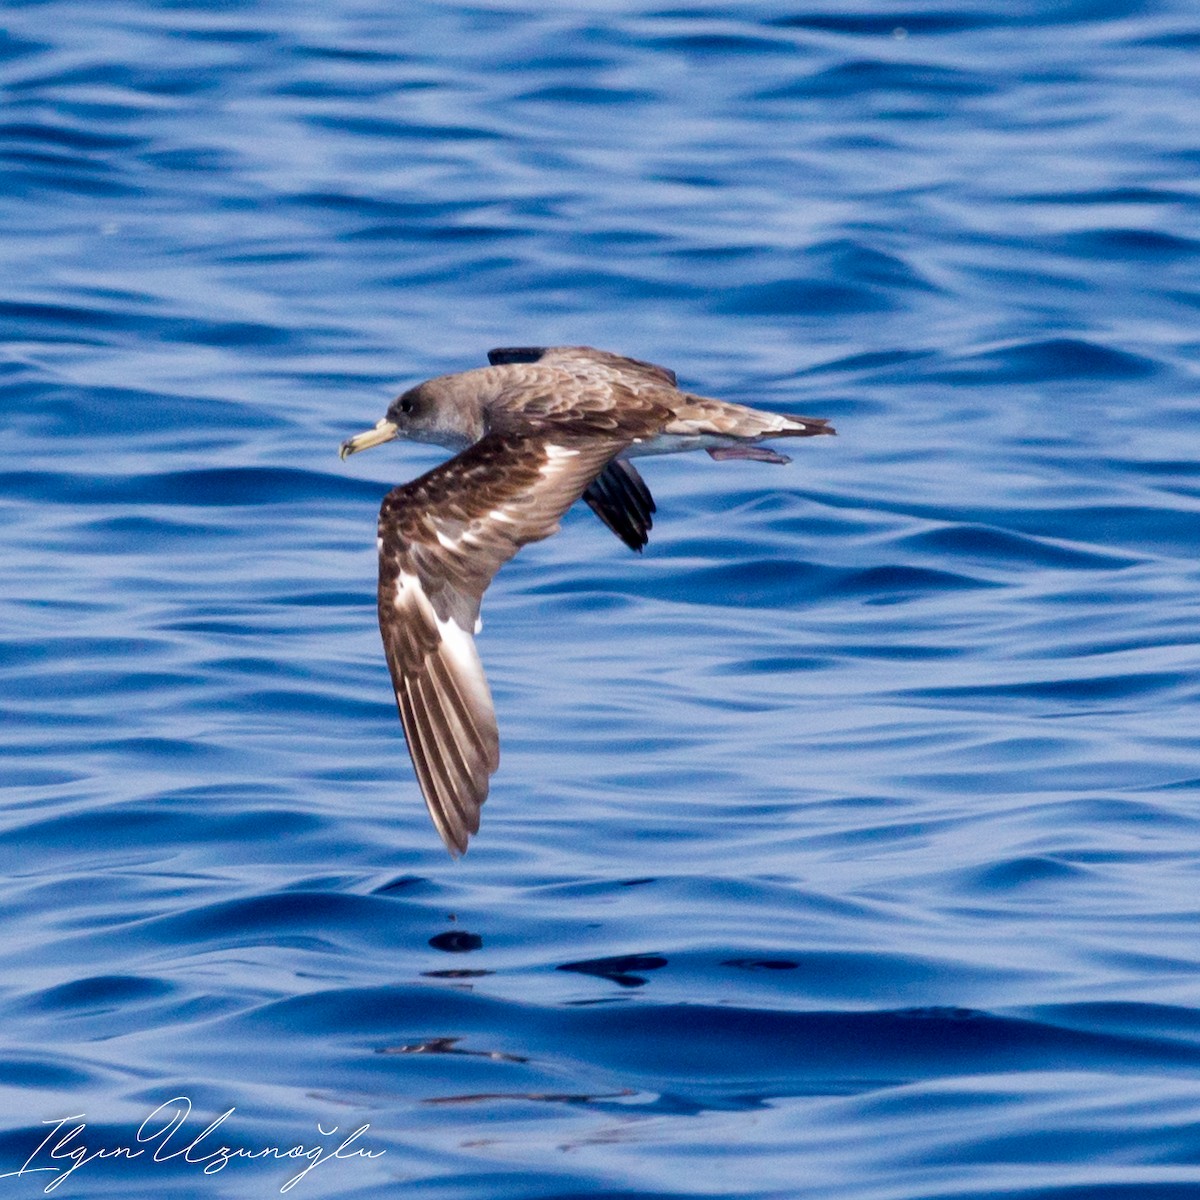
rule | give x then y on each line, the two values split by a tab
753	453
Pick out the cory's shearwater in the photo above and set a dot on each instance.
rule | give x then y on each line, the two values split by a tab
533	432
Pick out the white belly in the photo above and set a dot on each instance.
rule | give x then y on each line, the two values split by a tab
678	443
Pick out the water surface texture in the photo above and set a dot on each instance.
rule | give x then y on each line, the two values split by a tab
845	844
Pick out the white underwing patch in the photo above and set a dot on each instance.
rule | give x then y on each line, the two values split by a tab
404	583
459	647
556	459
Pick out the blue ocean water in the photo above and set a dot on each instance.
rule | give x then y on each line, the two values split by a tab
846	844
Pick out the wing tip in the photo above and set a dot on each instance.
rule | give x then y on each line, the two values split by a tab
449	724
455	814
502	355
620	498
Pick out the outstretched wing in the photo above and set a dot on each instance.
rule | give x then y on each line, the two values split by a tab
619	364
442	538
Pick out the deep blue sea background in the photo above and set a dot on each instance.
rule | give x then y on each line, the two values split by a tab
847	843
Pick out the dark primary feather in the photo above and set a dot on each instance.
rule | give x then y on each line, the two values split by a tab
503	355
620	498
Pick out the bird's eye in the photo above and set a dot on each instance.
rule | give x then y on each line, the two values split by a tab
406	405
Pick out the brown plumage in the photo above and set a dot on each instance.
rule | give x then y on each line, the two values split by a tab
536	430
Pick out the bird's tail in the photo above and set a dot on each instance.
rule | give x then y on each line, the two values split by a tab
804	427
700	415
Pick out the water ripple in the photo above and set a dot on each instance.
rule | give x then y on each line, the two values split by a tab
845	841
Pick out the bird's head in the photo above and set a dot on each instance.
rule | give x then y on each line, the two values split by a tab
444	412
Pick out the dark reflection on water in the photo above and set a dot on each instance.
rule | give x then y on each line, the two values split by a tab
626	970
845	842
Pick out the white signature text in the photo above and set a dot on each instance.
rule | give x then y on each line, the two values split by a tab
161	1138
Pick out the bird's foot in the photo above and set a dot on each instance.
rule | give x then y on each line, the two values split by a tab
753	453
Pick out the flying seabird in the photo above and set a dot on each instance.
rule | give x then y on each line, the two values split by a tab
533	432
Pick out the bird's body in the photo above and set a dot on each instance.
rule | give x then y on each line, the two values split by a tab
533	432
